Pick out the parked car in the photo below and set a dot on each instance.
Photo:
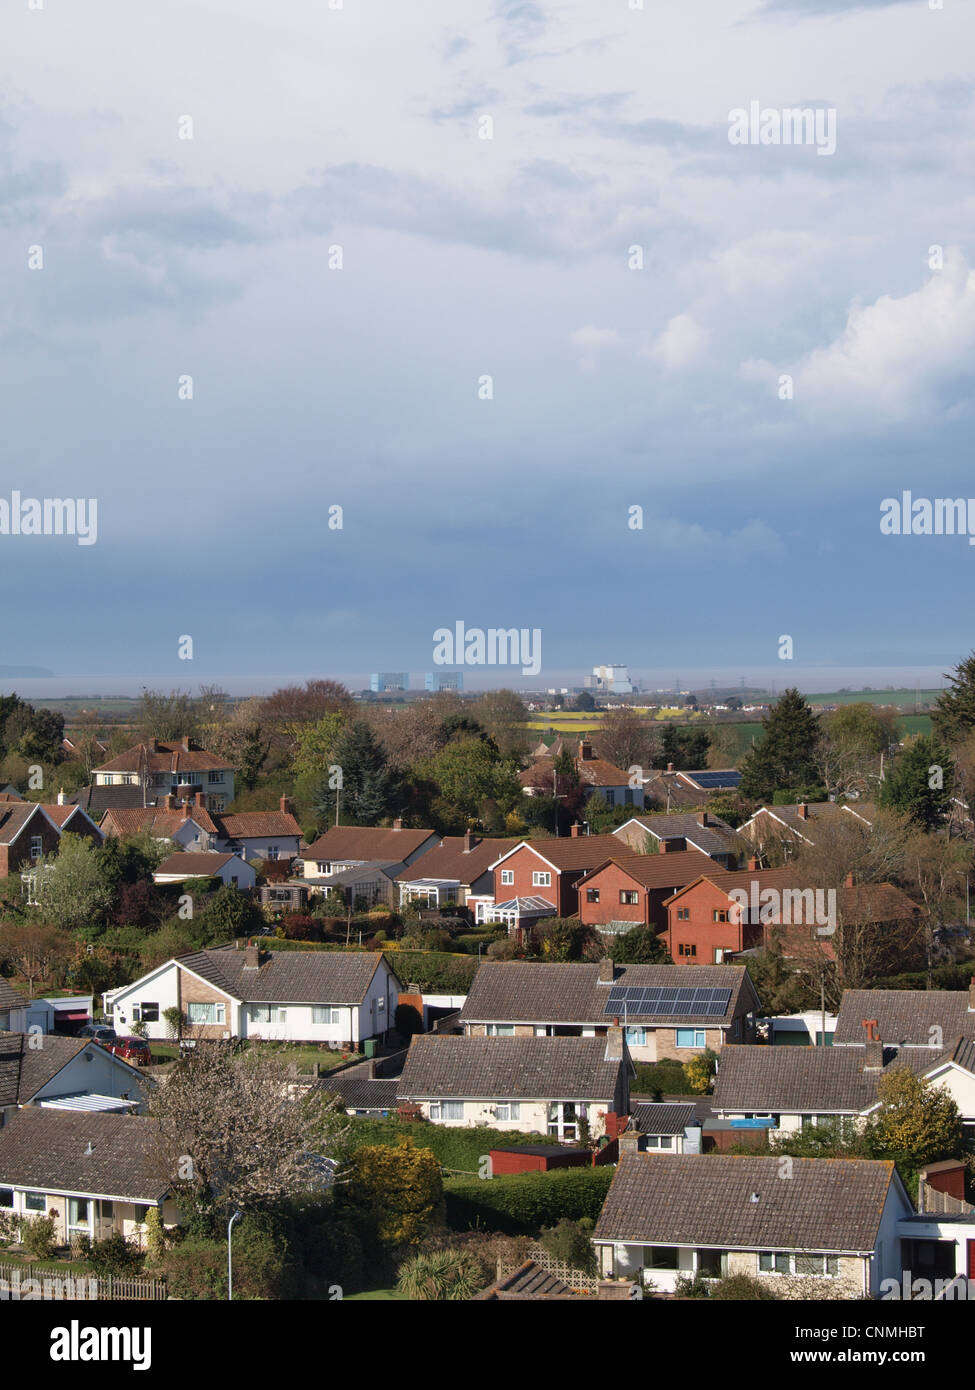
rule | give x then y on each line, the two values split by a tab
133	1050
99	1031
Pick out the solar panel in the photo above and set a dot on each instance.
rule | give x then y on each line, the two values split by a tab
715	779
678	1003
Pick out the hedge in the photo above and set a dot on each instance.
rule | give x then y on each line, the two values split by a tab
436	972
525	1202
458	1149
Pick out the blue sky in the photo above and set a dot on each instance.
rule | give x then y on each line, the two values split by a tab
359	127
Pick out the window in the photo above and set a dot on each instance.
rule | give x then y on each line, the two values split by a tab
185	779
107	780
36	847
636	1037
5	1021
108	1209
214	777
268	1013
507	1110
273	852
6	1197
35	1201
711	1263
206	1013
661	1257
690	1037
541	878
324	1013
683	914
148	1012
501	1030
446	1110
719	915
817	1266
139	1214
128	781
687	948
507	877
629	895
609	796
660	1141
592	895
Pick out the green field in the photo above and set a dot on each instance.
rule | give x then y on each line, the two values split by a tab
903	699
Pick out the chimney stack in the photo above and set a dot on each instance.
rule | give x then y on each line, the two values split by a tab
469	841
398	823
574	831
753	865
606	970
184	743
614	1042
62	797
252	958
285	806
848	881
201	800
169	801
802	811
971	995
630	1141
153	745
702	818
585	751
873	1056
670	767
663	846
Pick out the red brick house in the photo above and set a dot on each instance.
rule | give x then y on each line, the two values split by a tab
630	891
596	775
28	831
538	877
708	925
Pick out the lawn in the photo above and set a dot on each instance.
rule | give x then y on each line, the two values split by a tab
376	1296
304	1056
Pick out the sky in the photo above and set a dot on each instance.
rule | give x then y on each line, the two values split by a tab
491	175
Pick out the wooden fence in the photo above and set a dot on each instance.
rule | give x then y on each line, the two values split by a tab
31	1281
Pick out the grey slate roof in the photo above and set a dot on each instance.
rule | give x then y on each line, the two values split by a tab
9	997
828	1205
528	1281
288	977
809	1079
523	992
905	1016
717	837
97	799
440	1067
25	1069
663	1118
363	1093
45	1150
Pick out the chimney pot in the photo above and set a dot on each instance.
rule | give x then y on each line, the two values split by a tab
873	1028
971	995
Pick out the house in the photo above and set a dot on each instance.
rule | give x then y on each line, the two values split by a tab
906	1018
64	1073
363	1095
362	886
13	1009
709	780
630	891
668	789
557	1086
71	819
253	835
800	1086
459	872
669	1010
672	1215
596	774
700	830
538	877
228	868
353	846
260	834
96	1174
799	823
148	772
723	914
669	1126
27	833
332	997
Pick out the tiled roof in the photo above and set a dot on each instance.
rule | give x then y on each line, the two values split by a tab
25	1069
366	842
258	825
14	816
193	865
592	772
817	812
508	1069
716	837
168	757
663	1118
528	1281
667	871
155	821
289	977
9	997
828	1204
579	851
97	799
47	1150
363	1093
809	1079
961	1051
905	1015
866	902
525	992
451	861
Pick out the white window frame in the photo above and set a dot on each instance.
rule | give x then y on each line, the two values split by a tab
507	878
541	878
36	846
333	1012
439	1110
507	1109
219	1012
500	1030
275	1013
698	1033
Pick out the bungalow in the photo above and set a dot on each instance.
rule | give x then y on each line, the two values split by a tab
148	772
722	914
906	1018
228	868
669	1126
668	1010
13	1009
668	1216
555	1086
459	871
290	996
596	774
631	891
796	1087
353	846
64	1073
700	830
96	1174
537	878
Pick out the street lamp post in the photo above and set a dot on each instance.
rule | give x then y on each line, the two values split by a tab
230	1268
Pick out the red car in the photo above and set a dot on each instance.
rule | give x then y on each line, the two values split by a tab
135	1051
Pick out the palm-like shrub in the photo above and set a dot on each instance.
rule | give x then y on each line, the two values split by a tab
441	1275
